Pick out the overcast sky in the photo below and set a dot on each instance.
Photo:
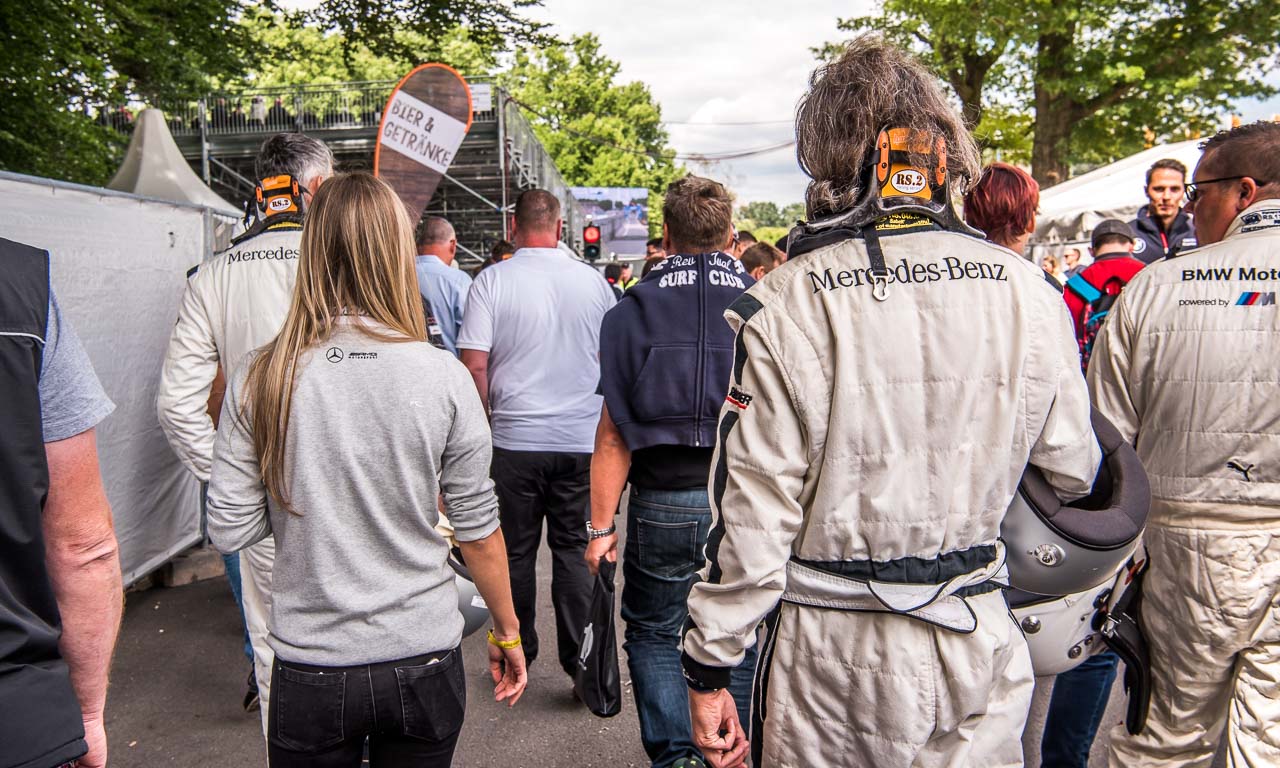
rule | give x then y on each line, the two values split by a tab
718	61
728	61
722	61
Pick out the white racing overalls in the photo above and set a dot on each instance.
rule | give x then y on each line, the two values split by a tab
1188	368
868	451
233	304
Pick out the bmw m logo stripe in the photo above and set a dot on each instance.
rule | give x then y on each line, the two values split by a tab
1256	299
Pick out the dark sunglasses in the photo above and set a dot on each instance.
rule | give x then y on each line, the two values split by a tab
1193	188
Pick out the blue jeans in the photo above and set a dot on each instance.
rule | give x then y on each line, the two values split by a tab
232	563
1075	711
666	541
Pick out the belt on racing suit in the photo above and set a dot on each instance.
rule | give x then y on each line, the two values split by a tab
934	591
942	603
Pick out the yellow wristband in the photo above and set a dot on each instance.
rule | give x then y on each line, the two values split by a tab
505	645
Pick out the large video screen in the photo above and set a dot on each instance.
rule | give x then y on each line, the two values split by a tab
622	213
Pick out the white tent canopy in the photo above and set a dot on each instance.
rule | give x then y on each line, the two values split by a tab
154	167
1070	210
119	266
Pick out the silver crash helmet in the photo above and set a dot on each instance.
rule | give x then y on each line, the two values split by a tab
1060	631
1063	631
475	613
1060	549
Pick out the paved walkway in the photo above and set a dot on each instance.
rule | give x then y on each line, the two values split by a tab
179	676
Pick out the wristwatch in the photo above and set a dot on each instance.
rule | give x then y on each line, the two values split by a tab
596	533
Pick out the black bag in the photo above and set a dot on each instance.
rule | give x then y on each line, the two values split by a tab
596	681
1123	633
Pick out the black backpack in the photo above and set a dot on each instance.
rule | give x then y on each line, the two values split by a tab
1097	305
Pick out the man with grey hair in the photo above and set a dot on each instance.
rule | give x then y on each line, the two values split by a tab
443	286
233	304
871	441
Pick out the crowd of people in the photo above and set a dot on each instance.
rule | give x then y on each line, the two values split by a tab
814	572
223	116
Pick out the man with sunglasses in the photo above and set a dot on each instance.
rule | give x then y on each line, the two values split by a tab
1162	227
1187	368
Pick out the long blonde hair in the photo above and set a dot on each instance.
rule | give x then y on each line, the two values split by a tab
357	258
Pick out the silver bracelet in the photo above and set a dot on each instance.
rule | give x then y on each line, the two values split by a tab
595	533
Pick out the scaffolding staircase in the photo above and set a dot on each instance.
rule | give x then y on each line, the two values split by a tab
500	157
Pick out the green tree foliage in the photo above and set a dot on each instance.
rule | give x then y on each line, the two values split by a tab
766	217
599	132
1098	75
793	213
396	27
762	214
307	55
768	235
62	60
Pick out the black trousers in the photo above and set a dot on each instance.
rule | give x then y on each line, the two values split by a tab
532	486
410	710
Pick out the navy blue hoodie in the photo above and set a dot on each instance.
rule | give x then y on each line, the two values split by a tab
1153	245
666	352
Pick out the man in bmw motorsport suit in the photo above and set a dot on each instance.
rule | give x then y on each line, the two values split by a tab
1187	368
892	381
234	304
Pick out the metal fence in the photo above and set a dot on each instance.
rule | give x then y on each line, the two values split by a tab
333	106
320	108
533	167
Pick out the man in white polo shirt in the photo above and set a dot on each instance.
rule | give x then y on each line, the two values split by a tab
531	339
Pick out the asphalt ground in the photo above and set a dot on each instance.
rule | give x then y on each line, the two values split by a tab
179	675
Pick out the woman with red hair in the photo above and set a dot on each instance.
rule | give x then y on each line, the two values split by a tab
1003	204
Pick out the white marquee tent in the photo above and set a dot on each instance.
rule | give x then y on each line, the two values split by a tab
154	167
1070	210
119	262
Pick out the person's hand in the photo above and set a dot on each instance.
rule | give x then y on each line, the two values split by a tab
95	735
711	714
510	676
606	547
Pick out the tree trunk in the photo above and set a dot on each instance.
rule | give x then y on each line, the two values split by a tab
1056	112
969	89
1051	139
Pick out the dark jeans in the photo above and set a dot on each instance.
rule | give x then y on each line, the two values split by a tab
409	710
532	486
666	539
1075	711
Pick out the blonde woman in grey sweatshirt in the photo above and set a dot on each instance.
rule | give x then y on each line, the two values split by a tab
338	437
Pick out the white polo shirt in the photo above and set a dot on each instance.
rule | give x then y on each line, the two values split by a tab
538	316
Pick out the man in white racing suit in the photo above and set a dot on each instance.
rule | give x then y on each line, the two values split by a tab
233	304
1188	368
891	382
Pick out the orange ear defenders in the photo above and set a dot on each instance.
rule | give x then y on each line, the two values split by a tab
278	194
896	172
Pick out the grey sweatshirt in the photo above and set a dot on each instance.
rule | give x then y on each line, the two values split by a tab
376	431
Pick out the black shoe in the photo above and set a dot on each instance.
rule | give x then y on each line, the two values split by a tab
251	701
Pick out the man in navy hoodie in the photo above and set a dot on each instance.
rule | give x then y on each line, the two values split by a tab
1163	229
664	373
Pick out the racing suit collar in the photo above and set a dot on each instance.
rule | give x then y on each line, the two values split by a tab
1263	214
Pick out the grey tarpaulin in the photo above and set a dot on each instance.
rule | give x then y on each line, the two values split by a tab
119	264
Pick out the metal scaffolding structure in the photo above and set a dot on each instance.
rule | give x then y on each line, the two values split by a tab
500	157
